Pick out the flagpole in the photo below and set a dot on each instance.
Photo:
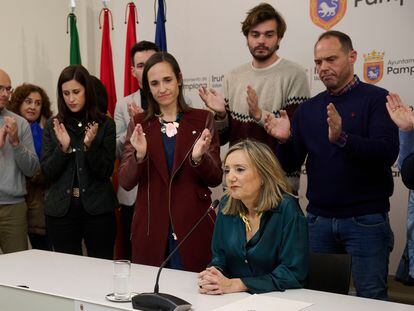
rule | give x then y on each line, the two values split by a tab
74	51
72	6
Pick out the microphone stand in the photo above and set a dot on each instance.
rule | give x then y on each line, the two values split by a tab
164	302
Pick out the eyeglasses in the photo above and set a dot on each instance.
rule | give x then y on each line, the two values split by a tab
7	89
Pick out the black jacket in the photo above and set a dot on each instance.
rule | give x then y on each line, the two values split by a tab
93	167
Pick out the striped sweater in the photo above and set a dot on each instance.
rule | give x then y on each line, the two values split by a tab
282	85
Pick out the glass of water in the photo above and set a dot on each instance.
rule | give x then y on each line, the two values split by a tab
122	275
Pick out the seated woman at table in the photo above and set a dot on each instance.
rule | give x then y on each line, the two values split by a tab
260	240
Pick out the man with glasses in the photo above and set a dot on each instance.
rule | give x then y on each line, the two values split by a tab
261	87
17	160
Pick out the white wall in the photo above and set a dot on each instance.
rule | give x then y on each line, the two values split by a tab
205	37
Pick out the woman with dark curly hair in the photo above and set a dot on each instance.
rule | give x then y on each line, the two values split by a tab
32	103
28	96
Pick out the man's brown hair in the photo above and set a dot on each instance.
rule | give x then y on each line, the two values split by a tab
261	13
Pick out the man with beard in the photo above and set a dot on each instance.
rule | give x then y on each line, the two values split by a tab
261	87
18	159
350	144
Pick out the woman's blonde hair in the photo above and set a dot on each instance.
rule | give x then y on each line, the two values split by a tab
274	182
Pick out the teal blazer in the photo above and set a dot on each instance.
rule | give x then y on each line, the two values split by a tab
274	259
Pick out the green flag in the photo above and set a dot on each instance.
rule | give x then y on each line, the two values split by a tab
75	57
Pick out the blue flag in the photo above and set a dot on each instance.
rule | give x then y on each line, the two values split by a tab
160	37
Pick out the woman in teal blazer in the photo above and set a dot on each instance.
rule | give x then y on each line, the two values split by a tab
260	240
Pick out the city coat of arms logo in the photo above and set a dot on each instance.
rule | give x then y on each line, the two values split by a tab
373	67
327	13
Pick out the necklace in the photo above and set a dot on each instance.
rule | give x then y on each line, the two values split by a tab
75	121
246	220
78	119
170	128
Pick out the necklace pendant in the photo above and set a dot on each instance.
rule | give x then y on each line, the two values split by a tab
79	124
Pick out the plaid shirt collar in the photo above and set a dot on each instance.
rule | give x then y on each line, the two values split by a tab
351	85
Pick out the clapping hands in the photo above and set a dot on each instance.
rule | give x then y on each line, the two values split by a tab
278	127
334	123
401	114
90	133
2	136
133	109
201	146
213	100
61	135
139	142
253	103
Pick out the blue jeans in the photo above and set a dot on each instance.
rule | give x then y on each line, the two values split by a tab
369	240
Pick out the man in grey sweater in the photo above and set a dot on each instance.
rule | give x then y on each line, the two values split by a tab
17	160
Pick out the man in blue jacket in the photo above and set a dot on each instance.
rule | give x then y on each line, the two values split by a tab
349	143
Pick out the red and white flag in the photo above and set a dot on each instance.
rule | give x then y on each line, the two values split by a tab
107	67
130	82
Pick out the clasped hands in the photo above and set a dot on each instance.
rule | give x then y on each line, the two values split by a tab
9	128
139	142
212	282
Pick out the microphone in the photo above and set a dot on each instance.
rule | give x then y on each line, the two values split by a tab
164	302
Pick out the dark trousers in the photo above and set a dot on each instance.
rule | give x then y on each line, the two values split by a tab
40	241
98	232
127	213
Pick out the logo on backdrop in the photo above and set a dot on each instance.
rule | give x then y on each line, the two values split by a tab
212	81
373	67
327	13
403	66
374	2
